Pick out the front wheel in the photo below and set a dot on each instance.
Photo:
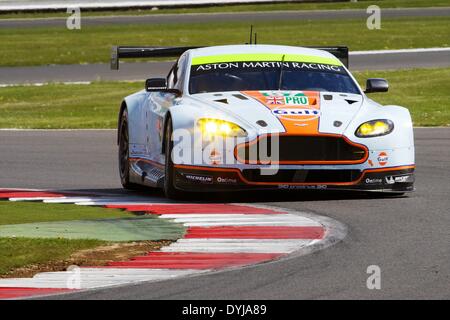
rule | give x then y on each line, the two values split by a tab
169	174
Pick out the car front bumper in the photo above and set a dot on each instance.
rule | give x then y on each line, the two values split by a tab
203	179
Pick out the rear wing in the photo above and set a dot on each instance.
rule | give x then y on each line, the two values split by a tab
340	52
117	53
144	52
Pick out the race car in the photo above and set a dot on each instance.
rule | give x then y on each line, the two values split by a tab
252	117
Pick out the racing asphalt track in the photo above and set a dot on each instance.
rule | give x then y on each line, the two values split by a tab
363	60
407	237
229	17
137	71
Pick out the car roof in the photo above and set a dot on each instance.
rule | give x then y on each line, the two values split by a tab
257	48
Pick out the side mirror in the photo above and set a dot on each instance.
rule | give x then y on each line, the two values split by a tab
376	85
159	85
155	84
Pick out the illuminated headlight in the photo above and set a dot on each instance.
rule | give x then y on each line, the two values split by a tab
375	128
216	127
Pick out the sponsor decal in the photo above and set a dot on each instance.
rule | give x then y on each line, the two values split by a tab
199	178
287	98
294	187
226	180
390	180
159	128
374	181
337	123
215	157
275	100
138	150
259	66
292	106
398	179
297	114
383	158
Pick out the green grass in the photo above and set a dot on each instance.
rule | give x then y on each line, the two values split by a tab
426	92
57	45
30	212
57	106
361	4
25	250
19	252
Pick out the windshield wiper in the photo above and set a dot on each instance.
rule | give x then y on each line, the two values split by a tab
280	79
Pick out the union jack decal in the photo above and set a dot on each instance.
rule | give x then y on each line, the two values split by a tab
275	100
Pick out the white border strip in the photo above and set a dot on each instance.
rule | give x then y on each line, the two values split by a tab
55	5
41	84
394	51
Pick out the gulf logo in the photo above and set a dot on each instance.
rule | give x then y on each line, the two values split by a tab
292	113
383	158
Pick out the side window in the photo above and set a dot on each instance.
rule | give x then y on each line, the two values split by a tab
176	75
171	77
181	70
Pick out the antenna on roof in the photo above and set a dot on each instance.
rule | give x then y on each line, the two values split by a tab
251	34
256	42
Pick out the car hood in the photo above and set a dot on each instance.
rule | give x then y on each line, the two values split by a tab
290	112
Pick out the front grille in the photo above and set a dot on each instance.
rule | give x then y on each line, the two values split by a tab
304	149
303	176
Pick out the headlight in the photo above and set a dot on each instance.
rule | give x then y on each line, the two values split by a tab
216	127
375	128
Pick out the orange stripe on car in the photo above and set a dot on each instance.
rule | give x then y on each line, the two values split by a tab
298	111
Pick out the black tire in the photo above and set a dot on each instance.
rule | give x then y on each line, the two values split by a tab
169	173
124	153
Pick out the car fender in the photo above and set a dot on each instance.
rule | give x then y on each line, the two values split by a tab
136	127
398	145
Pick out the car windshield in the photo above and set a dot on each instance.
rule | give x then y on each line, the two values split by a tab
259	76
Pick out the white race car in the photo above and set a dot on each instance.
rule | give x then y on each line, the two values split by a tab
242	117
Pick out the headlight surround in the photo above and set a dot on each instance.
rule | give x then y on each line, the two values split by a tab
216	127
375	128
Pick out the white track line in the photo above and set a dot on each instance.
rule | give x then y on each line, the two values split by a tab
118	272
206	218
55	5
95	278
237	245
256	242
116	202
248	223
41	84
208	215
68	200
34	199
395	51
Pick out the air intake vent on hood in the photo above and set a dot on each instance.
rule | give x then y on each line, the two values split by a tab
240	96
222	101
350	101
